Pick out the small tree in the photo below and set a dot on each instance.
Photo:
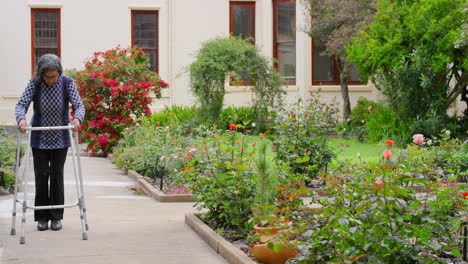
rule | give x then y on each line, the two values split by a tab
116	88
416	52
221	59
335	22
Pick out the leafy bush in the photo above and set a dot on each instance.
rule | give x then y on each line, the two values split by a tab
222	58
300	136
374	215
175	114
384	124
222	180
243	116
116	87
7	158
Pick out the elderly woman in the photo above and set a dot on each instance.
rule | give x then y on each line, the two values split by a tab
51	93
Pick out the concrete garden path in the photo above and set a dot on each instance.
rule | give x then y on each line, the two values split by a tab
123	227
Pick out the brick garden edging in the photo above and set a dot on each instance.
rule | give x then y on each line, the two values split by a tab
149	190
229	252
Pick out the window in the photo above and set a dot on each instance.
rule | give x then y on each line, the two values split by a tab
45	33
242	19
145	34
284	38
325	70
242	24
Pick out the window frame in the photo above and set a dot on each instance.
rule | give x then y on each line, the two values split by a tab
252	31
275	36
336	71
132	18
33	35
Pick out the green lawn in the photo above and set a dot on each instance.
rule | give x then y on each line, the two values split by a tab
348	149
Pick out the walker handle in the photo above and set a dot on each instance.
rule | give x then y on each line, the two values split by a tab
49	128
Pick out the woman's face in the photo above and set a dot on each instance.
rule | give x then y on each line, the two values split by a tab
50	77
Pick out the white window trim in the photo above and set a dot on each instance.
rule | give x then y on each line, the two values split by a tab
46	6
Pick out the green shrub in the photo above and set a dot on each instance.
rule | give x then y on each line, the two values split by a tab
384	124
221	59
300	136
174	115
240	115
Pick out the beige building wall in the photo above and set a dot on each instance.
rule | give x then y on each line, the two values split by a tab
88	26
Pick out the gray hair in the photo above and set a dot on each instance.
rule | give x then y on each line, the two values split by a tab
47	62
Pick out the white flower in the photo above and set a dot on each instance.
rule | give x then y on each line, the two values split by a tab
254	125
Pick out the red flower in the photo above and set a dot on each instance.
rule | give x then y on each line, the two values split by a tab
390	143
232	127
387	154
464	195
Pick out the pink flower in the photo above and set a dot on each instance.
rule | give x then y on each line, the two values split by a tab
92	135
162	158
378	182
260	135
387	154
418	139
309	152
274	147
390	143
237	142
254	143
464	195
206	147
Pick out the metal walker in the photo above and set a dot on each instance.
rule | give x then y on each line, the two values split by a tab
24	178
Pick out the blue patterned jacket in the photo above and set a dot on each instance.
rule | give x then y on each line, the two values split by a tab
51	108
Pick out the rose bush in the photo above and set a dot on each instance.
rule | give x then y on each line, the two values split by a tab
116	86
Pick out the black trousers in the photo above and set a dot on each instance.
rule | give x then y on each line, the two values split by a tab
48	165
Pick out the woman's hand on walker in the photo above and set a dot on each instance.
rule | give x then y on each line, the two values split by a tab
76	122
22	124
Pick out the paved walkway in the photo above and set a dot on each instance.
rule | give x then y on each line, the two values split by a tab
123	227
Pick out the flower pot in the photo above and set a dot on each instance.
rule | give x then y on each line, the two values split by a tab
264	254
268	232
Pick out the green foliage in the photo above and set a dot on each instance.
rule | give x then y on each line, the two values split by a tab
300	136
374	215
223	58
410	50
413	89
222	179
267	182
384	124
239	115
174	115
7	158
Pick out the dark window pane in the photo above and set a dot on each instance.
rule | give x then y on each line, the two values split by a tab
322	64
46	29
287	61
241	21
353	73
145	34
286	22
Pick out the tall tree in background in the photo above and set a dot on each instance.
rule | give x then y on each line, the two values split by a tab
416	53
334	22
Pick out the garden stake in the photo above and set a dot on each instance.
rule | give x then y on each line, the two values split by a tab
2	178
465	238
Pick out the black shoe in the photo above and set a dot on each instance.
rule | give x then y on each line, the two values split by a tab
42	225
56	225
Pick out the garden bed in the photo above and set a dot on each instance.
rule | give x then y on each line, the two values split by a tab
151	190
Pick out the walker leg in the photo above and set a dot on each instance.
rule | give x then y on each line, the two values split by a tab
15	197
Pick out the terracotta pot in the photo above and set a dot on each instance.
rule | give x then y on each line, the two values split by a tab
264	254
268	232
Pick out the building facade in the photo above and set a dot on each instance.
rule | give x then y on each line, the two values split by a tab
171	31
